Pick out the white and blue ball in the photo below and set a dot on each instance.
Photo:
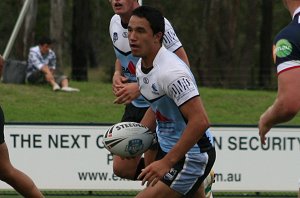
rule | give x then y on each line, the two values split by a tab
128	139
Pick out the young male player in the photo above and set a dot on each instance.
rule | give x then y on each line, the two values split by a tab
124	79
186	149
124	83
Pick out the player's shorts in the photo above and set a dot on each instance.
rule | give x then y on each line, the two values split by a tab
1	126
187	175
133	113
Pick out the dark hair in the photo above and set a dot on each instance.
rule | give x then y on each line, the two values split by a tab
45	40
153	16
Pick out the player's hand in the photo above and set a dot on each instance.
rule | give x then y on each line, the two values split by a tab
263	129
127	93
154	172
118	82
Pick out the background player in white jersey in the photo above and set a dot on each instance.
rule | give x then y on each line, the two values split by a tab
286	53
186	149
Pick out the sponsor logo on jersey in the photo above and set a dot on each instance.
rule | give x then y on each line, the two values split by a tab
181	87
146	80
170	38
134	146
170	175
125	34
154	89
115	37
283	48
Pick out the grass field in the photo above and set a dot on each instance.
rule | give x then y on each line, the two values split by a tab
94	104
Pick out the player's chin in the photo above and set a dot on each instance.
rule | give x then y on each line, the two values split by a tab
135	52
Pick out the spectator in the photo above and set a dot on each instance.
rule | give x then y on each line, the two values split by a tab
42	67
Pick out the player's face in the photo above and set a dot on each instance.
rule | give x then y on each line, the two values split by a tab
44	48
122	7
141	38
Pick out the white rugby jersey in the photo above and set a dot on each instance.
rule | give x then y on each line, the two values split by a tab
119	37
36	60
168	85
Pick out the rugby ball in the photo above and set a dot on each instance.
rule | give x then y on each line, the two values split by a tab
127	139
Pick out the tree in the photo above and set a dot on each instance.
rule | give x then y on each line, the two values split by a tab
265	57
56	28
80	36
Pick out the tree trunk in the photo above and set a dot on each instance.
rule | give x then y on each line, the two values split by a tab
56	28
29	26
265	63
80	43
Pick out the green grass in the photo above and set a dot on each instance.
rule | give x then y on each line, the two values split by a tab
94	104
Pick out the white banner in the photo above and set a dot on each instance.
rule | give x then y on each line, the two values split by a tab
243	164
71	157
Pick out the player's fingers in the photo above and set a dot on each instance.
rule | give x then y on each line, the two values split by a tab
155	180
152	181
141	175
124	79
146	176
120	100
263	139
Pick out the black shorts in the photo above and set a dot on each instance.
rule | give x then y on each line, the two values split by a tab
133	113
1	126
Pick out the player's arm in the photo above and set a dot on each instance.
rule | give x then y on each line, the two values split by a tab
182	55
125	92
197	123
172	42
118	79
1	62
286	105
150	122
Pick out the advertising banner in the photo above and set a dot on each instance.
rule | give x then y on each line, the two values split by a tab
72	157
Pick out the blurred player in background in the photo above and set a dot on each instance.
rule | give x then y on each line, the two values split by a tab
286	53
186	151
10	175
124	83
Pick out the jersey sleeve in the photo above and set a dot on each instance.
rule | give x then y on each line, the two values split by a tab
170	41
286	48
180	86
